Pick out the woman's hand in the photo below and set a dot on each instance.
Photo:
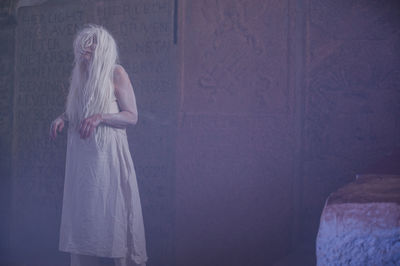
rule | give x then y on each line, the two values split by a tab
89	124
56	126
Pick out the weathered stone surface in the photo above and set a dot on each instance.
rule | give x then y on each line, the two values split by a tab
351	93
235	141
360	224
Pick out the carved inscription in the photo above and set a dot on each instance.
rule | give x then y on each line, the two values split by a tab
132	9
44	59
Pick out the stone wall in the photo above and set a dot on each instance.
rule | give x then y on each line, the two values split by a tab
236	134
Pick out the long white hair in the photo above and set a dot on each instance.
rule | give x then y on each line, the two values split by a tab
91	90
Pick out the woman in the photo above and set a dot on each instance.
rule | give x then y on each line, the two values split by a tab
101	211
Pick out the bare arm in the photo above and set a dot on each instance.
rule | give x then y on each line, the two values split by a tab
126	100
127	104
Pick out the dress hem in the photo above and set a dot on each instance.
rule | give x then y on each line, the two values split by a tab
69	250
88	253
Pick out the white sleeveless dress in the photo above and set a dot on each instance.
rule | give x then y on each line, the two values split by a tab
101	210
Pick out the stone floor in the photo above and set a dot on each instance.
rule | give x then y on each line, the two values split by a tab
303	256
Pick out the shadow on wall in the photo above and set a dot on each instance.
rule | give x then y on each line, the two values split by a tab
389	164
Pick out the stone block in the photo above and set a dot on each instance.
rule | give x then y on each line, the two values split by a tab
360	223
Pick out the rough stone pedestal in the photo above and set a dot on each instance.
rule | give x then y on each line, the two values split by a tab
360	223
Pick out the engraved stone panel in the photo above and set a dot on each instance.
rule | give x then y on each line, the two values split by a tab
43	63
6	92
144	32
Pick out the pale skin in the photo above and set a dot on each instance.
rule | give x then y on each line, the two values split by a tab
126	102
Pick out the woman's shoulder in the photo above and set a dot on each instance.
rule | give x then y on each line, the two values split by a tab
121	78
120	74
119	69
